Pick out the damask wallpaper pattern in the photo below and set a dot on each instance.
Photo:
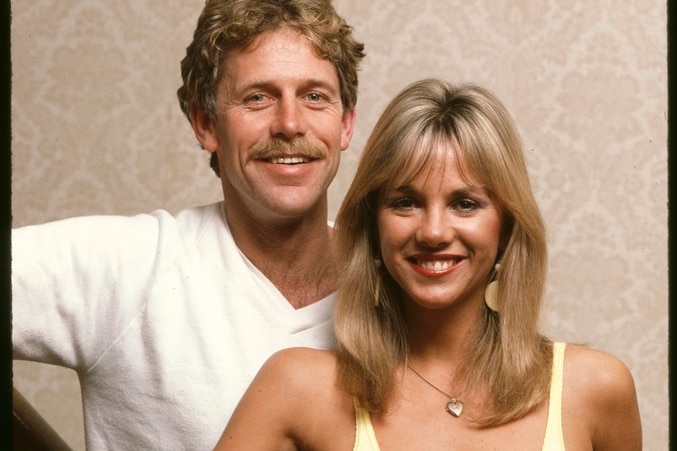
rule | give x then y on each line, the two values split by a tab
97	129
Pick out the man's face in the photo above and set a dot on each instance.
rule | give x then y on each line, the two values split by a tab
280	127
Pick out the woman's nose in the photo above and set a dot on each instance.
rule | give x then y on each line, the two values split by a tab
436	229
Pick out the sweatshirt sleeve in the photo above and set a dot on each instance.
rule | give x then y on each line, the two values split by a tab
77	283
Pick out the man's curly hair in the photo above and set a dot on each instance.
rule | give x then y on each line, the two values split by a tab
229	25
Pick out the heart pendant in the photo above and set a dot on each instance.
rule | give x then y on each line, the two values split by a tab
455	408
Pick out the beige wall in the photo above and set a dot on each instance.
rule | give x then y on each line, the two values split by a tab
97	129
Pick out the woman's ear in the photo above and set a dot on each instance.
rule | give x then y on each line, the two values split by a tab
204	128
505	236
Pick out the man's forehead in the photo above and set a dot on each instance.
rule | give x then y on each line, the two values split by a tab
281	56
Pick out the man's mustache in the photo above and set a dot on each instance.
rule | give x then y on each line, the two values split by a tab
277	148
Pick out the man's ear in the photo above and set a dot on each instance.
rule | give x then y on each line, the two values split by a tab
348	127
204	128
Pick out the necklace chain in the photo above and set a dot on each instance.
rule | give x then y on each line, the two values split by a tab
452	398
454	407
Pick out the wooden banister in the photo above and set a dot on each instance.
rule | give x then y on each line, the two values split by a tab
30	430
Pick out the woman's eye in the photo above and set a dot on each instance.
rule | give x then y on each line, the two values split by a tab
403	203
465	205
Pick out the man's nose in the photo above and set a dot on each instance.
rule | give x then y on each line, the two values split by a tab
290	121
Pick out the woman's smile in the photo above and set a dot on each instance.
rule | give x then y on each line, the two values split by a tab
434	265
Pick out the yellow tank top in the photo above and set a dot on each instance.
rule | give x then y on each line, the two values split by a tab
365	438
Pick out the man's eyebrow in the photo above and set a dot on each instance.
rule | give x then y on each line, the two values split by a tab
274	87
316	82
262	83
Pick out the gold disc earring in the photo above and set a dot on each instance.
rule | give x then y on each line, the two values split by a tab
491	292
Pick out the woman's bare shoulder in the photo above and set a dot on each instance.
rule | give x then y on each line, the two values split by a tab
597	372
282	408
299	370
307	391
301	362
599	391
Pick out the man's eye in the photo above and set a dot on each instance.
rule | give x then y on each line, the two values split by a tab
257	98
315	97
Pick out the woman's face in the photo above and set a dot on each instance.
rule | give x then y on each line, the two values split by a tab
439	236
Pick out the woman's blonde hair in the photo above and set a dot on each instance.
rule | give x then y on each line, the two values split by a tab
507	358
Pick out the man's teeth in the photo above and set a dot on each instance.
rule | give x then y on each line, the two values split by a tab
289	160
439	265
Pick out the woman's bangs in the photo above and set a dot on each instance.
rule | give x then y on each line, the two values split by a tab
426	153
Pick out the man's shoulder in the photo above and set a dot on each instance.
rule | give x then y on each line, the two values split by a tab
201	219
212	210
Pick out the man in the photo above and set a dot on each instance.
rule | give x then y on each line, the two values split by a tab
167	318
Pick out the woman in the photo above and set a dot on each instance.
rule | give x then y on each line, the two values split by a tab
436	317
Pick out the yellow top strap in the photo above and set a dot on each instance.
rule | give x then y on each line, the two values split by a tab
365	438
554	437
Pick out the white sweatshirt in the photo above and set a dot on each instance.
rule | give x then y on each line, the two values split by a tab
163	318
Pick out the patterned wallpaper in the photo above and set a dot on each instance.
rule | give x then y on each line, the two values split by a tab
97	129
